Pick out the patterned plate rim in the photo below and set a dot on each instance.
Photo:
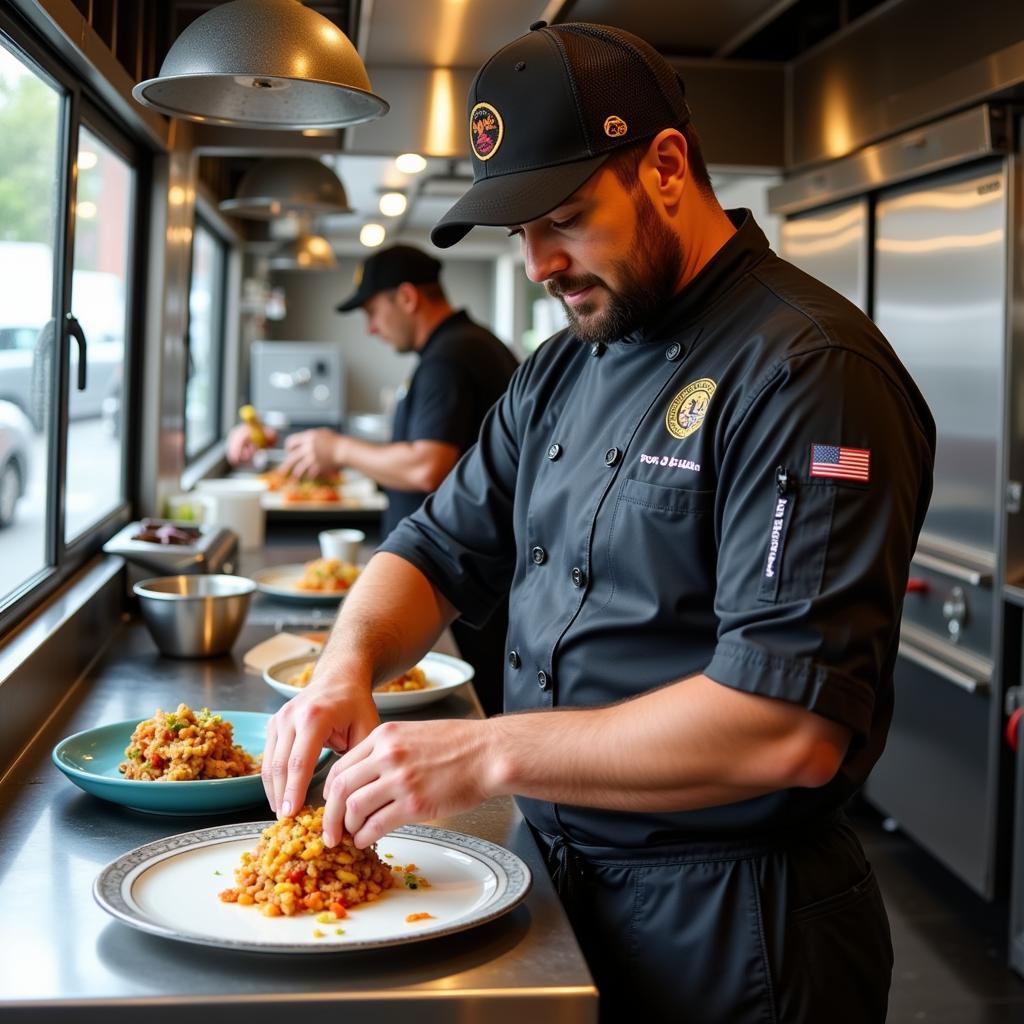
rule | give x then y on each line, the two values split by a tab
512	873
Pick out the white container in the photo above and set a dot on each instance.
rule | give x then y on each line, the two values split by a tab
342	544
236	504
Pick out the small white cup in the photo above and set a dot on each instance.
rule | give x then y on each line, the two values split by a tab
342	544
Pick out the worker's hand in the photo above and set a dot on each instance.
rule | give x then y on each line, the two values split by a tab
311	453
328	713
241	447
407	772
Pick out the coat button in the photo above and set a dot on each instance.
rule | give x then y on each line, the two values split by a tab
513	659
554	451
596	349
542	680
611	456
579	577
539	555
673	352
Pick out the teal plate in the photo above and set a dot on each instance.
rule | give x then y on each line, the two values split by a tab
90	759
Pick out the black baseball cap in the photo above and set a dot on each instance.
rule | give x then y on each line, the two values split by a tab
548	109
388	268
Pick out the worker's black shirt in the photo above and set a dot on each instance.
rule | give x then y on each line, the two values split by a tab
653	506
462	370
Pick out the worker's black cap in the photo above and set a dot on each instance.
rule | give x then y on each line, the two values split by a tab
548	109
389	268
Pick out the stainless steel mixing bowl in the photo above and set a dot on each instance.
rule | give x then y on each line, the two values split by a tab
194	616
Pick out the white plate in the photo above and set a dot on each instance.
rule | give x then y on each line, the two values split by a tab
170	888
445	675
283	581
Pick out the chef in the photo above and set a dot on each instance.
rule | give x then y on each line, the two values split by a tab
702	498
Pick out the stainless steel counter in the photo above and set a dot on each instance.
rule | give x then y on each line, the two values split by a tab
64	959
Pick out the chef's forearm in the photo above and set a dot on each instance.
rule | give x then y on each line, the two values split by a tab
692	744
391	618
401	465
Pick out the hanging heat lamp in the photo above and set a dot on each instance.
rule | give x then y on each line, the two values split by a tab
305	252
263	64
288	185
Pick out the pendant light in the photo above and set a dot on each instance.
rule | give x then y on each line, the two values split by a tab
263	64
287	185
306	252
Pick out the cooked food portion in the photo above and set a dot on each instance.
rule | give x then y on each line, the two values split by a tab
329	575
154	532
320	488
310	490
292	872
303	676
414	679
184	746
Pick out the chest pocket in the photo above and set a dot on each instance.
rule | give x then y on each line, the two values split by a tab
662	547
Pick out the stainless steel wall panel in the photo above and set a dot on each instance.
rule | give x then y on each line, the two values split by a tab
940	299
903	65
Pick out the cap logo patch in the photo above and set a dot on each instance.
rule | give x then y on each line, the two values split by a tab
687	410
615	127
485	130
357	277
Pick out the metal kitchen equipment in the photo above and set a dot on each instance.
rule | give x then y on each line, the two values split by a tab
304	381
919	232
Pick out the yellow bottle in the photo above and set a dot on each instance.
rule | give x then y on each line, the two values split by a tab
249	416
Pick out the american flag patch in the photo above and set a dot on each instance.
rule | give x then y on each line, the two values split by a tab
838	463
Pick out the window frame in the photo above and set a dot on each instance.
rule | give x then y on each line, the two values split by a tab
205	220
79	107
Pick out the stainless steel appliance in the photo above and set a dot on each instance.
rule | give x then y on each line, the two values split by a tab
304	381
917	231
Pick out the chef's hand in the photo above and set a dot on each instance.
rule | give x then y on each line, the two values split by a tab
406	772
311	453
240	445
325	714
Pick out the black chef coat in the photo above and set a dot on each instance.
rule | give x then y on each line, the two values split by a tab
462	370
653	506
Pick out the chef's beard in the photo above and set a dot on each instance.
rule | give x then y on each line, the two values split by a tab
648	280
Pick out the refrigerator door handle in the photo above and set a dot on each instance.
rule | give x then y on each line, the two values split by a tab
965	680
956	571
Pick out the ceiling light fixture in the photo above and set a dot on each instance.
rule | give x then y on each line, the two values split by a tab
263	64
371	235
306	252
393	204
410	163
287	185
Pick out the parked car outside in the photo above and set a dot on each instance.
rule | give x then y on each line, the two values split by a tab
15	432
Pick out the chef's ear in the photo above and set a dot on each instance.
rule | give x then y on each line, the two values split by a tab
407	297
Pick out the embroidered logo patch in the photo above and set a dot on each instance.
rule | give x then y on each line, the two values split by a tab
486	130
687	410
615	127
835	462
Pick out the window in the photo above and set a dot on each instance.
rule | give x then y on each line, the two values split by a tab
103	215
205	341
67	235
30	182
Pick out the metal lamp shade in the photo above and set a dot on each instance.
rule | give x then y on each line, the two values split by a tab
288	185
307	252
263	64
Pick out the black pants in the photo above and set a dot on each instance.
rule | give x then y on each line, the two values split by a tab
484	649
731	933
